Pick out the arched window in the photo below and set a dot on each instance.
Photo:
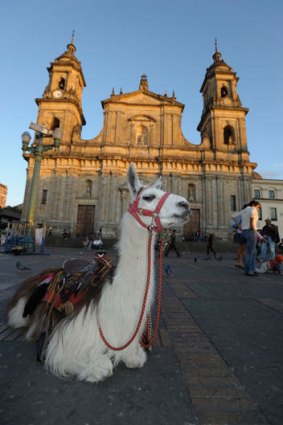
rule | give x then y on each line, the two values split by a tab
224	91
88	188
62	83
229	135
56	123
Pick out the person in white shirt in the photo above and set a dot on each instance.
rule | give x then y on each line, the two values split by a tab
249	219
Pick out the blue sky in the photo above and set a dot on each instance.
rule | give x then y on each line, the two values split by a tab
119	40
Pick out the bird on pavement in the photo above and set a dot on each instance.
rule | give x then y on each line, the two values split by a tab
20	266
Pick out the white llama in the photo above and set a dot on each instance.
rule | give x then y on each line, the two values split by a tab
76	346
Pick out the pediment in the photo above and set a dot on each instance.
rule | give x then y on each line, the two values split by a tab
142	98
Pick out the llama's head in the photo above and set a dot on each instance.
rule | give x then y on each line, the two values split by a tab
152	206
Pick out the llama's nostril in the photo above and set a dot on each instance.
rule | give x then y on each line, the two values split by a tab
183	204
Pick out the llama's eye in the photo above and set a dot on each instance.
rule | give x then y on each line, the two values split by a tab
148	198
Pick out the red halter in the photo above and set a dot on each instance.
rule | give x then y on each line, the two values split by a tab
136	212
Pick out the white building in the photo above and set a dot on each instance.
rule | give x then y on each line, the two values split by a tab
270	195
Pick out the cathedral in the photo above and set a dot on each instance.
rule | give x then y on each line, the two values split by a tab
82	187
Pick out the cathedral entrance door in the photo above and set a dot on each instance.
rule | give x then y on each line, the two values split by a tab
193	225
85	220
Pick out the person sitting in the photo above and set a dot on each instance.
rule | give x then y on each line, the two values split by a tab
86	243
97	244
276	265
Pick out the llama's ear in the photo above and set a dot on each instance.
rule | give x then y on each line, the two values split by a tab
158	183
134	184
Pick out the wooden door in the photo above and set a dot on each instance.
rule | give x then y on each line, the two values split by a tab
193	225
85	220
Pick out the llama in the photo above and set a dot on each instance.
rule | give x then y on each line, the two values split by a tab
90	342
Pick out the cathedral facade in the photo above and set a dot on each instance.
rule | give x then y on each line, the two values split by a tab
82	184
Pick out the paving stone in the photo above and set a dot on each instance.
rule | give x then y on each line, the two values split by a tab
231	418
223	403
217	360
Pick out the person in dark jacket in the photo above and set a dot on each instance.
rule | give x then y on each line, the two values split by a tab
209	246
269	232
172	244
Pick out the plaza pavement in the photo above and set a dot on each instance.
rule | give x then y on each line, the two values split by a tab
218	359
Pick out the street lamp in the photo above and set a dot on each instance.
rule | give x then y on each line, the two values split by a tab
37	150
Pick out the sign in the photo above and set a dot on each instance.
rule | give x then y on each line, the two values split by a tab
40	128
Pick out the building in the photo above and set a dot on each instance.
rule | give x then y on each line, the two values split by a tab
270	195
9	215
3	195
83	185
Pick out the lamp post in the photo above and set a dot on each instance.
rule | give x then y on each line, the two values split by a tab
37	150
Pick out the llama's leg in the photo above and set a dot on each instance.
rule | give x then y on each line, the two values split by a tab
134	356
35	323
85	367
15	315
31	332
97	370
75	349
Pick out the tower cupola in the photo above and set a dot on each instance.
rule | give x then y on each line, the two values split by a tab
223	117
61	102
143	83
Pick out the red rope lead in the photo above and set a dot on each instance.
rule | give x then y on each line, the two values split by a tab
122	347
152	338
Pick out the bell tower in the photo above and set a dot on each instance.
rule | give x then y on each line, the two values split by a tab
223	120
61	103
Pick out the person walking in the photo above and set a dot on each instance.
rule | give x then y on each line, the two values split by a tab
172	244
209	246
249	217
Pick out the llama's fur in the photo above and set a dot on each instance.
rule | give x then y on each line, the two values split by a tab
75	347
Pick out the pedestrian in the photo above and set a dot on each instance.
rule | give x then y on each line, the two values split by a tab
241	252
3	238
270	233
209	246
39	238
249	217
91	239
86	243
172	244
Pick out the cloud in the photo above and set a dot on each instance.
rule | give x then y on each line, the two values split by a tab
276	172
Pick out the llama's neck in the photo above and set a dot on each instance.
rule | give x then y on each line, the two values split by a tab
133	249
